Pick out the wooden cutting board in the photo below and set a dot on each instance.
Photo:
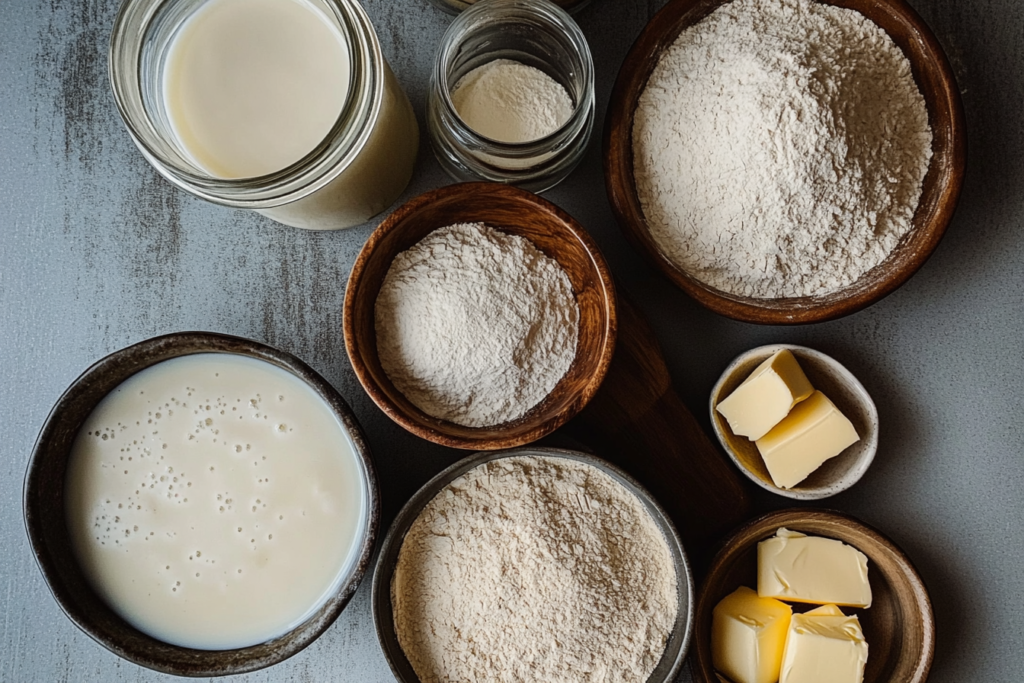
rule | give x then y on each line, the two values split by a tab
638	422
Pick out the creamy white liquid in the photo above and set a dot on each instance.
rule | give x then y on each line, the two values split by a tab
252	86
214	501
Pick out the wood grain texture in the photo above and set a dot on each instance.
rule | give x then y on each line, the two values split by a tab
899	626
517	212
637	422
941	187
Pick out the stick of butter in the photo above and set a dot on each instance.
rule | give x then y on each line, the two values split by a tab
766	396
824	646
813	432
792	566
748	635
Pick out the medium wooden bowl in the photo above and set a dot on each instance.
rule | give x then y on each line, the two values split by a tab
842	388
383	615
51	543
516	212
941	189
899	626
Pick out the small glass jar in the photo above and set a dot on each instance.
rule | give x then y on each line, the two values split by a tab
456	6
357	171
536	33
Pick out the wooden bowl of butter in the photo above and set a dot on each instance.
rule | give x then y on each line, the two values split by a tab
795	421
828	591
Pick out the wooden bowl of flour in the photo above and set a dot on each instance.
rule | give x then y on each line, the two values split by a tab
941	186
513	211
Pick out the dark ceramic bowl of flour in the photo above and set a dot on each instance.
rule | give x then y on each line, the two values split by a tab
514	212
940	188
679	637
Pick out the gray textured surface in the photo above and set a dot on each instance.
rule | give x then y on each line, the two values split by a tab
97	252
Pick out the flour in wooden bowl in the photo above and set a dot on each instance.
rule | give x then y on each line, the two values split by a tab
780	148
534	568
476	326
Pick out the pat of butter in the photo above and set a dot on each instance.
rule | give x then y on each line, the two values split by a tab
766	396
824	646
813	432
799	568
748	635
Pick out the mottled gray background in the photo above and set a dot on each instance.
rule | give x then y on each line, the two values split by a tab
97	252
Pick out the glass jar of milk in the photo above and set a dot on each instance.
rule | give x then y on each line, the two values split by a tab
286	107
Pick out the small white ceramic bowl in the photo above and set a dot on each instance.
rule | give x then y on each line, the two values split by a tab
826	374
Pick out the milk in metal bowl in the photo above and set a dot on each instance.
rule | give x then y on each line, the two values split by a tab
215	501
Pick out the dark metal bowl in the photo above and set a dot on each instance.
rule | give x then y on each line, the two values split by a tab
383	618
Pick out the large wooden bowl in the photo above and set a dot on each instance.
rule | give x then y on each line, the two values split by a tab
899	625
941	189
517	212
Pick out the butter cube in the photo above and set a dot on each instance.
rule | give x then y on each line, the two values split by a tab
824	646
813	432
766	396
748	635
793	566
825	611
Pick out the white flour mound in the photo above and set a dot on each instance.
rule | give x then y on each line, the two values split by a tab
780	147
476	326
534	569
509	101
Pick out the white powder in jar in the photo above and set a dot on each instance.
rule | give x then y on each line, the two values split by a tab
534	569
511	102
779	148
476	326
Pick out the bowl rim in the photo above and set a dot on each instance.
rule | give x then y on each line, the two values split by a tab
168	658
790	516
625	204
380	599
431	433
858	468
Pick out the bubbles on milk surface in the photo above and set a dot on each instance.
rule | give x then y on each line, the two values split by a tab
159	486
200	491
